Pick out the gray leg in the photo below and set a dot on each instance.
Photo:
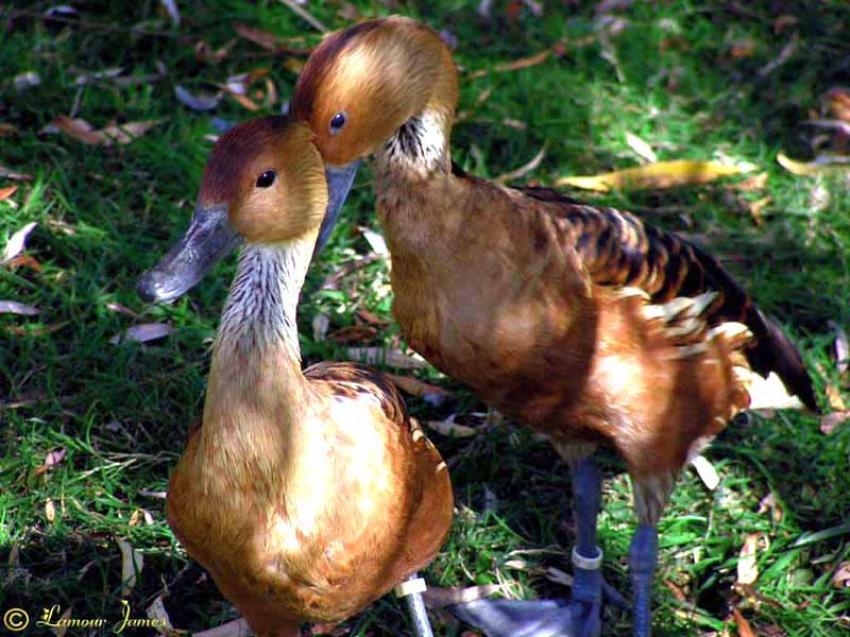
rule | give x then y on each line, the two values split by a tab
411	590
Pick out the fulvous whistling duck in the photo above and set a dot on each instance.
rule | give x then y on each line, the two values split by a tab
306	495
583	322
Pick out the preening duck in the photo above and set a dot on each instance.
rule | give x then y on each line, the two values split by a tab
306	495
582	322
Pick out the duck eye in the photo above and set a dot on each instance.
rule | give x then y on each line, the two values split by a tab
266	179
337	122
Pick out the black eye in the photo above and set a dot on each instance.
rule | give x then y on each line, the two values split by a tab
337	122
266	179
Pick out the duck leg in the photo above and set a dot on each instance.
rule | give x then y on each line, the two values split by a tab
650	497
411	589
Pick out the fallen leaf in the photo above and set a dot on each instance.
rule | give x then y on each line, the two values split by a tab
841	577
785	54
7	192
269	40
14	307
305	15
320	327
200	102
23	81
742	49
84	132
523	170
7	130
52	459
50	510
61	625
17	242
121	309
432	394
376	242
19	330
515	65
769	503
157	612
332	282
450	428
831	422
245	101
436	597
132	563
823	165
386	356
641	148
706	471
353	334
756	182
24	261
143	333
838	101
744	628
205	53
11	174
677	591
833	397
782	22
236	628
558	576
170	7
842	347
756	208
747	567
89	78
663	174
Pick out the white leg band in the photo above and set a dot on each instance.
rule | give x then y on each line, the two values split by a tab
587	563
410	587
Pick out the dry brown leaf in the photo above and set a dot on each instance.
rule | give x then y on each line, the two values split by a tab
515	65
742	49
660	175
756	208
353	334
24	261
831	422
558	576
143	333
305	15
18	330
824	165
451	429
260	37
17	242
11	174
52	459
838	101
244	101
748	571
756	182
523	170
121	309
7	192
433	394
833	397
50	510
677	591
744	628
387	356
132	563
841	577
197	102
7	130
769	503
84	132
436	597
21	309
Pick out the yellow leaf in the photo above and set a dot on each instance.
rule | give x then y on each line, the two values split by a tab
662	174
821	166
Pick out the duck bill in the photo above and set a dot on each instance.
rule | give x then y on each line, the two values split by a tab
210	237
340	179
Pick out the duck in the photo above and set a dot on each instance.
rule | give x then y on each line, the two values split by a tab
583	322
308	494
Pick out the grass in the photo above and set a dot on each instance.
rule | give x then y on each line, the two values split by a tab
121	412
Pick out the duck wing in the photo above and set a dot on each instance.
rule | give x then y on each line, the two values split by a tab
618	249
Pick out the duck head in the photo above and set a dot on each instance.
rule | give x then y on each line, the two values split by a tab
264	183
362	84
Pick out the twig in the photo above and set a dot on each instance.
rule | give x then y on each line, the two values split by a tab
305	15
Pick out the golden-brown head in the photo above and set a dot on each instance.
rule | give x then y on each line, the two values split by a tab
362	83
271	179
264	183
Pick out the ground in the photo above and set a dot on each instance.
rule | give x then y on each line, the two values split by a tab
695	80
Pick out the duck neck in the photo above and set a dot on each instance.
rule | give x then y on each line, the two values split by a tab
418	149
256	357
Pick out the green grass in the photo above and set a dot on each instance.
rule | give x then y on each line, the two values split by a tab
105	214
